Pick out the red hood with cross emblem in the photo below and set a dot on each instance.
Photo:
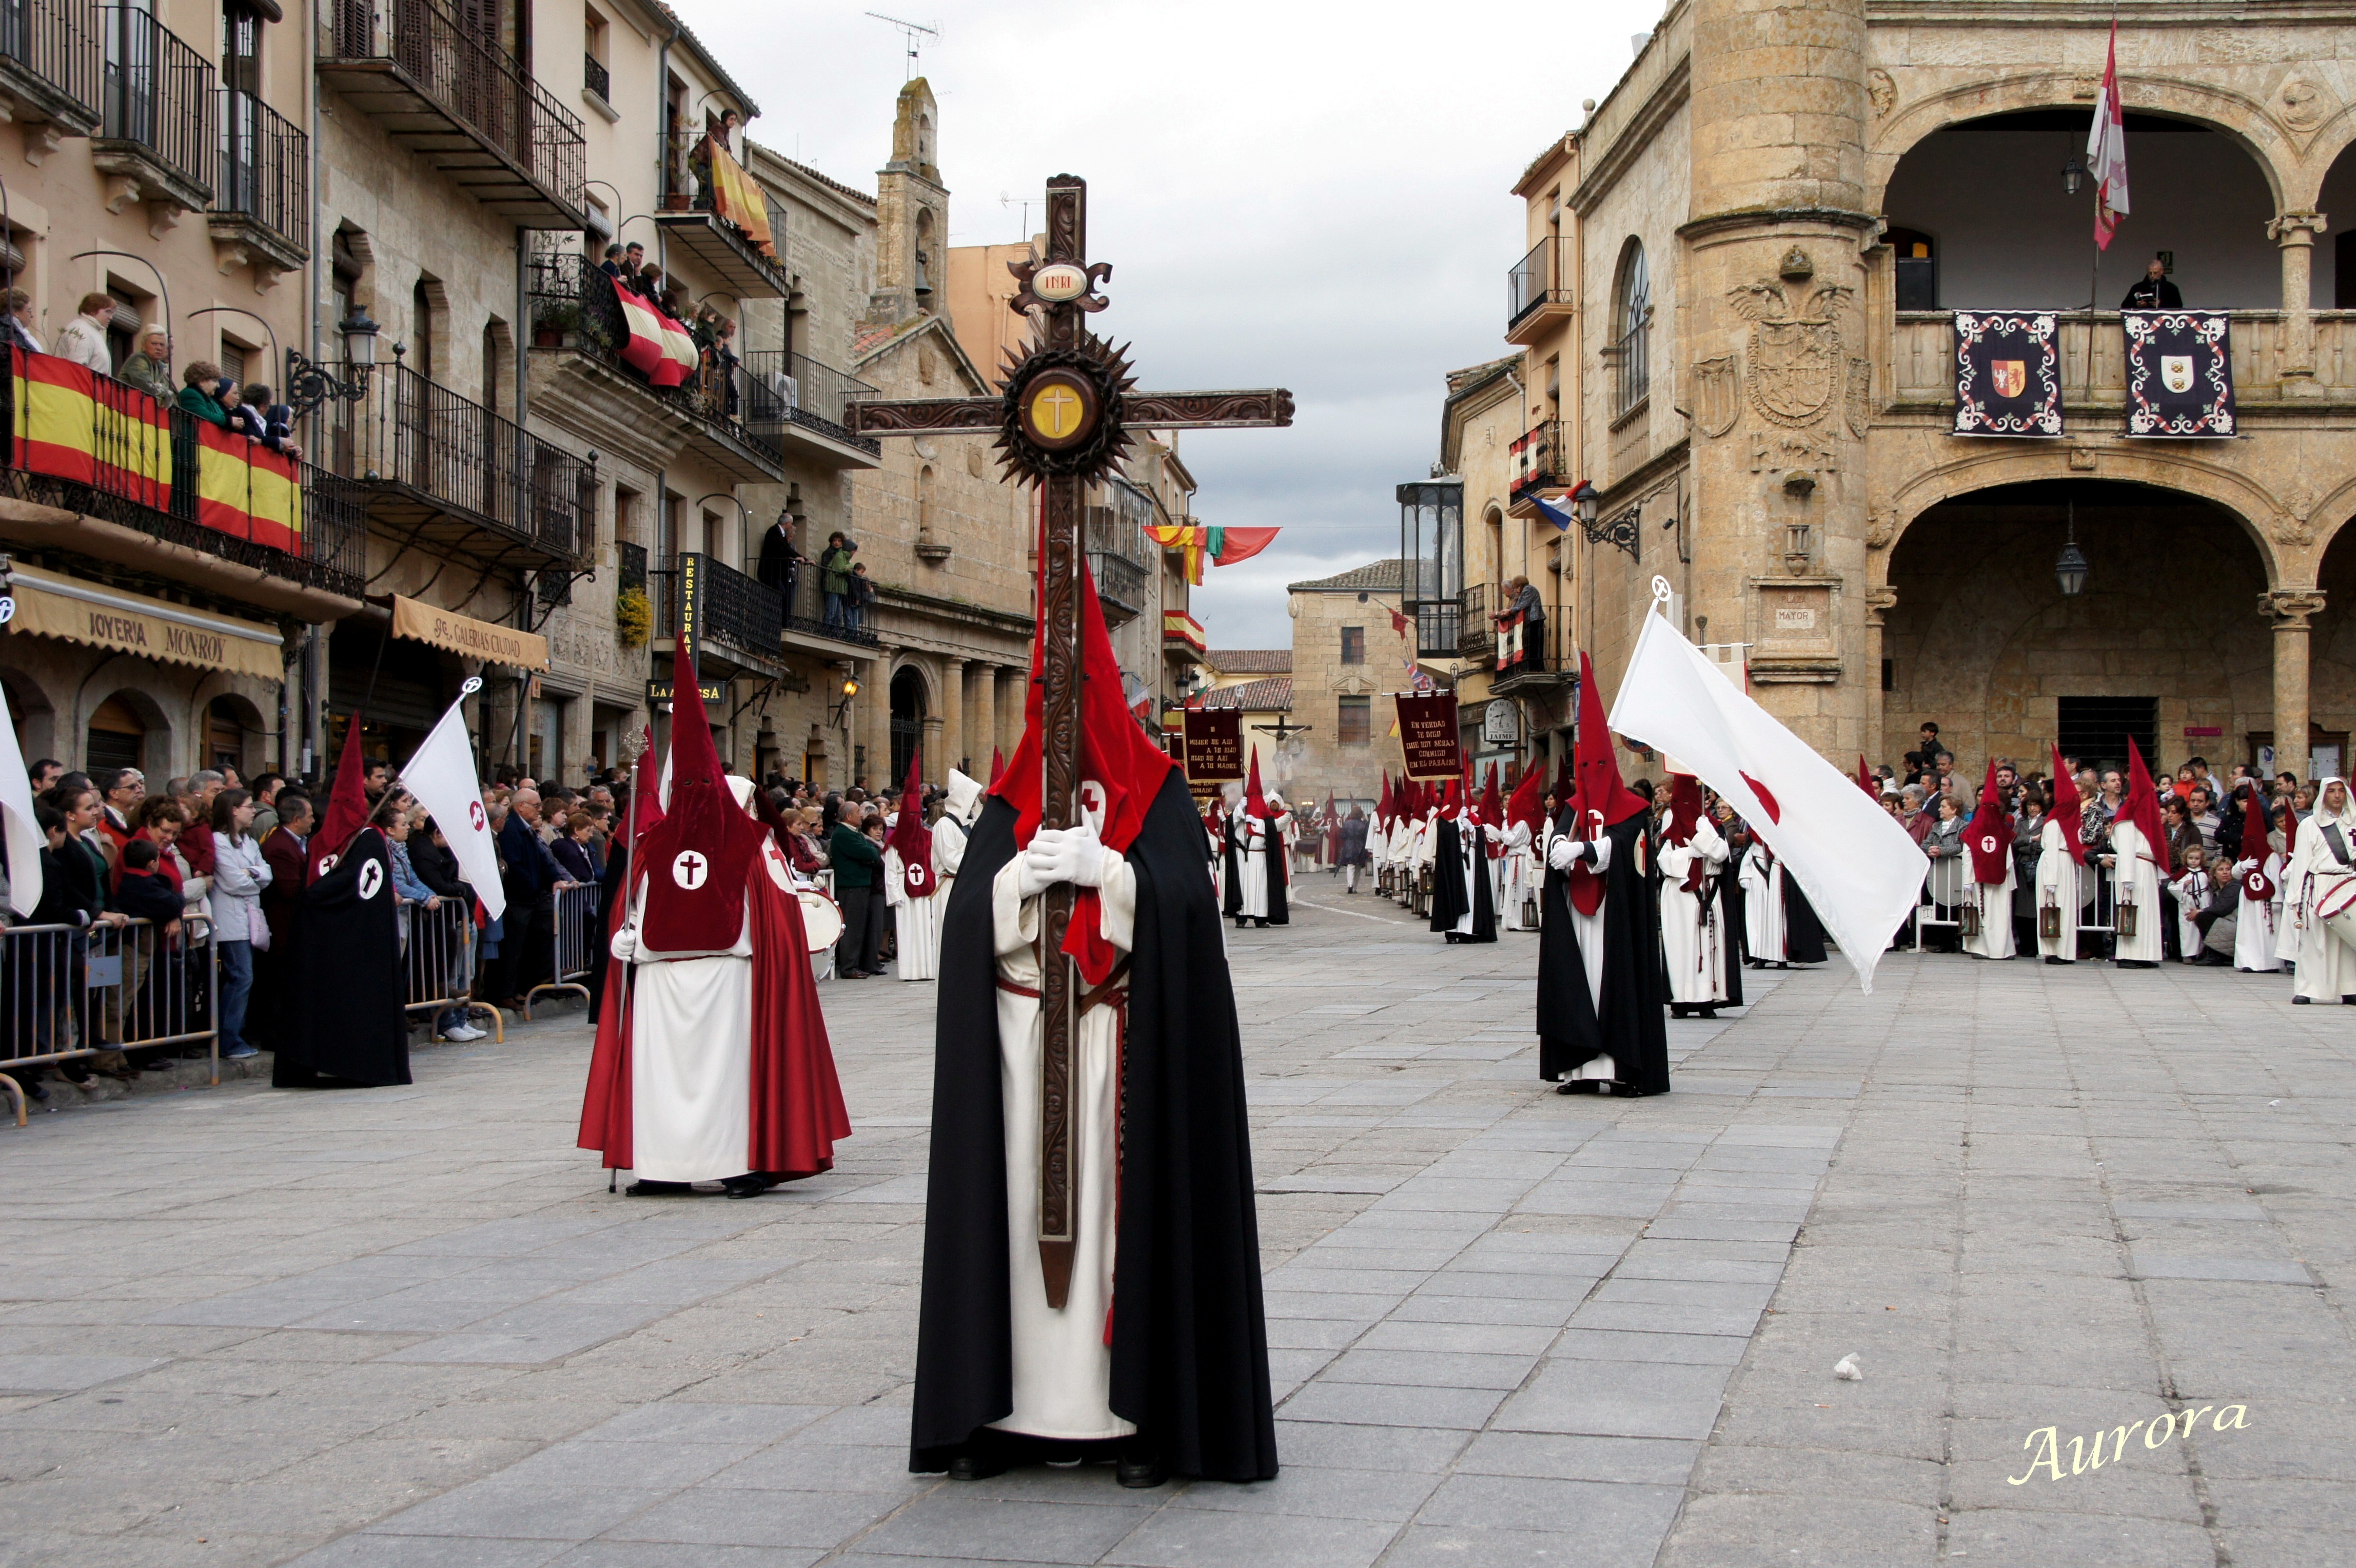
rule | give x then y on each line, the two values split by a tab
695	860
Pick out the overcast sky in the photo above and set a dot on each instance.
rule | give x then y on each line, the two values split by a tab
1302	195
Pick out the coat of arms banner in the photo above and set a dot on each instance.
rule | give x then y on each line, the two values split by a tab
2007	373
2179	369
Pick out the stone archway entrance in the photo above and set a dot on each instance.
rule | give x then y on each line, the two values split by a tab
2165	642
907	725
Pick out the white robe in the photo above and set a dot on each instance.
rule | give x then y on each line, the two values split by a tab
949	837
1994	901
2061	884
1252	839
1692	936
1763	905
1472	861
2136	881
1517	884
1589	928
917	922
2326	965
692	1051
1063	1368
2193	895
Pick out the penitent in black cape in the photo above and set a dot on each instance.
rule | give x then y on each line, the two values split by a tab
1635	990
345	1024
1448	890
1190	1337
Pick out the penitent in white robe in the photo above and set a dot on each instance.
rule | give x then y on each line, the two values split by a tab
1763	905
2136	881
2256	922
1252	835
1063	1366
2060	885
692	1051
2326	965
1517	883
1693	938
1994	901
1589	928
916	921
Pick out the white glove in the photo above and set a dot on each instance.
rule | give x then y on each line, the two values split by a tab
626	944
1063	855
1565	853
2244	867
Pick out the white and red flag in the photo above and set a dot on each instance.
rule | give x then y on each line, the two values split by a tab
1860	870
442	776
2106	150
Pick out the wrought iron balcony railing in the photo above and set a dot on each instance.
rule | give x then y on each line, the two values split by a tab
1476	634
461	102
49	57
157	105
1540	461
1533	281
416	448
266	171
595	77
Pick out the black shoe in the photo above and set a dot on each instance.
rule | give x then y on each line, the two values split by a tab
2302	1001
749	1186
1143	1471
972	1466
660	1189
1577	1085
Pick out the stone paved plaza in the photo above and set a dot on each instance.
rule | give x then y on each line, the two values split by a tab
409	1327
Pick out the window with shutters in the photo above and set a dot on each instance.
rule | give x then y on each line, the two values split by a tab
1354	723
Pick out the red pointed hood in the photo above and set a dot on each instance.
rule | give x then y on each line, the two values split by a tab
909	834
1988	835
348	805
1493	804
1528	804
694	860
1865	779
1255	804
1604	800
2069	809
1383	805
1684	808
2255	845
2141	807
1115	756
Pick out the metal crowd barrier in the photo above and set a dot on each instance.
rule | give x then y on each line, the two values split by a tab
2097	917
576	928
67	993
440	960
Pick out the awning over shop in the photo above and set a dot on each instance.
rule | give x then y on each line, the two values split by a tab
463	634
49	605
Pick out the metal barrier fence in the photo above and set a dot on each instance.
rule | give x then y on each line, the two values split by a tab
2096	917
439	963
66	993
577	926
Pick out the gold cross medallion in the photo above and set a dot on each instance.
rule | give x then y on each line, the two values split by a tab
1058	409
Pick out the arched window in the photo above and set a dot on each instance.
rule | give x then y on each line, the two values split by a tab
1632	317
421	328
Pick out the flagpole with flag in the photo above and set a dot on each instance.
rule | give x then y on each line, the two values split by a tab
2106	165
441	775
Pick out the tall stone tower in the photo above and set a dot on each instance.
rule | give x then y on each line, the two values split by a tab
1777	374
912	216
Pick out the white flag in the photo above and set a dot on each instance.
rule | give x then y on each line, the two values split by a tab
23	834
442	777
1859	869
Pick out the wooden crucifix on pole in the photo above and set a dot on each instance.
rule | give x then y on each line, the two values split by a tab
1062	424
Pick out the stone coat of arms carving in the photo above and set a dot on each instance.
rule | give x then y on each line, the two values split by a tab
1718	394
1795	359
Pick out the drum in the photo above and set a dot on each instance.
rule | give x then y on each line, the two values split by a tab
2335	906
821	921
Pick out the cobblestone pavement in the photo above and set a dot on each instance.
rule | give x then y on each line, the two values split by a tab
404	1326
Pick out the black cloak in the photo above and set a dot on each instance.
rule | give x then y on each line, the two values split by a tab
1190	1337
347	1026
1803	934
1234	902
1635	989
1734	921
1279	865
1448	890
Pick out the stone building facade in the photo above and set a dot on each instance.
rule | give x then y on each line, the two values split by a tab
1734	320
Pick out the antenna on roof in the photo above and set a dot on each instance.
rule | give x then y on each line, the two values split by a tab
908	31
1024	202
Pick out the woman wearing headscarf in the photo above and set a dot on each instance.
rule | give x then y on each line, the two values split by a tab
2321	877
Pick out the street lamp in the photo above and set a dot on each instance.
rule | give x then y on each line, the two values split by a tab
308	385
849	690
2070	571
2074	175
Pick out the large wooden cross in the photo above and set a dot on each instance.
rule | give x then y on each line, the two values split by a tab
1062	423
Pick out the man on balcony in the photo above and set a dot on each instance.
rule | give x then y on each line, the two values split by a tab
83	340
2152	291
834	577
1525	602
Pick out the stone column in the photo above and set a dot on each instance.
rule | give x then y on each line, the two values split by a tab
875	725
1009	731
935	748
953	727
1878	603
1768	342
2295	232
2292	610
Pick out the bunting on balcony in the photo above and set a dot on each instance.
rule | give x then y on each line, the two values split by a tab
2179	374
1223	546
72	424
2007	373
1509	639
737	197
659	348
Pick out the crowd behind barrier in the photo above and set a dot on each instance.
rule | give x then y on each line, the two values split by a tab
74	994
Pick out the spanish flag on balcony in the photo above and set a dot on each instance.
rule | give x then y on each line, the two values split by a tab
1224	546
737	197
659	348
73	424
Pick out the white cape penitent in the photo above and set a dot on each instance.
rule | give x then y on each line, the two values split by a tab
1860	870
442	776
